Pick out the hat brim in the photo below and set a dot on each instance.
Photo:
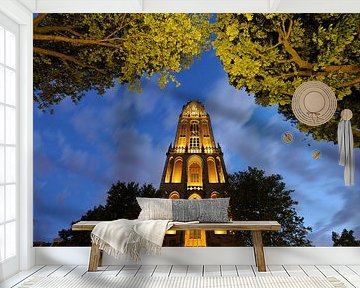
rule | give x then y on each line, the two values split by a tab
314	103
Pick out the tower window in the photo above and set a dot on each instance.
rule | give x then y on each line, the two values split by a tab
174	195
194	173
213	177
183	130
194	128
169	170
194	142
177	171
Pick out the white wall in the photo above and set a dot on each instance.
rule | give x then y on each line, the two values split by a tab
21	15
210	256
294	6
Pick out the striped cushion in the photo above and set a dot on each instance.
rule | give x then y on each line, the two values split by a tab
203	210
184	210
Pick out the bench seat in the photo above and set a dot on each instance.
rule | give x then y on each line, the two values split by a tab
256	227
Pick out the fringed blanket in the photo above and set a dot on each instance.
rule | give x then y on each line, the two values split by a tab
128	237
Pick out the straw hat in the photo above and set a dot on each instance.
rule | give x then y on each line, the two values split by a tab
314	103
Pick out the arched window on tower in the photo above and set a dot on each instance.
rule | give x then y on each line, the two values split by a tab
183	129
194	128
194	196
174	195
206	137
213	177
220	170
194	175
194	137
177	172
169	169
214	195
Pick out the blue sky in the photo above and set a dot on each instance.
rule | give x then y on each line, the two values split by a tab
80	150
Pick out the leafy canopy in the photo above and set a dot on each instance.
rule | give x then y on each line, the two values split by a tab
255	196
75	53
272	54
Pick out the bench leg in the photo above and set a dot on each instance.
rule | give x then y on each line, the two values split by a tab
258	251
95	257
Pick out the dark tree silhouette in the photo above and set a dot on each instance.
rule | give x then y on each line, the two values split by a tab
346	238
256	196
120	203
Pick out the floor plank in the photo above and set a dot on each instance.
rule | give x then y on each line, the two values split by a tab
328	271
178	270
20	277
112	270
100	270
355	268
311	271
162	271
349	274
261	274
278	270
245	271
146	271
129	270
62	271
294	271
228	270
47	271
212	270
195	271
78	271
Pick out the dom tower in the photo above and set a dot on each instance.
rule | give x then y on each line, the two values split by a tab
194	167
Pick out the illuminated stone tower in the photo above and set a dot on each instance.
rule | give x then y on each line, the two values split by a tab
194	166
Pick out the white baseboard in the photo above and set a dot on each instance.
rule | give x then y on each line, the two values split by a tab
209	256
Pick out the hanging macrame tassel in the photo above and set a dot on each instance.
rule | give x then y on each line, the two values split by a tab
346	147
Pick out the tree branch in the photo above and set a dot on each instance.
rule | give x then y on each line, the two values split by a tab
295	56
38	19
342	68
305	65
102	42
66	39
302	73
65	58
349	83
121	26
47	29
290	28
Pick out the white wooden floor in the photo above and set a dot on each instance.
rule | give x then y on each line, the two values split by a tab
350	275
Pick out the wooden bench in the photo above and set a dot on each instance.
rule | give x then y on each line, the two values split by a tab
256	227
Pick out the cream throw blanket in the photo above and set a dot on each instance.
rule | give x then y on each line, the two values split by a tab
128	237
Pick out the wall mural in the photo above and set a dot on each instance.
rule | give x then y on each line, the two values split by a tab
261	108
